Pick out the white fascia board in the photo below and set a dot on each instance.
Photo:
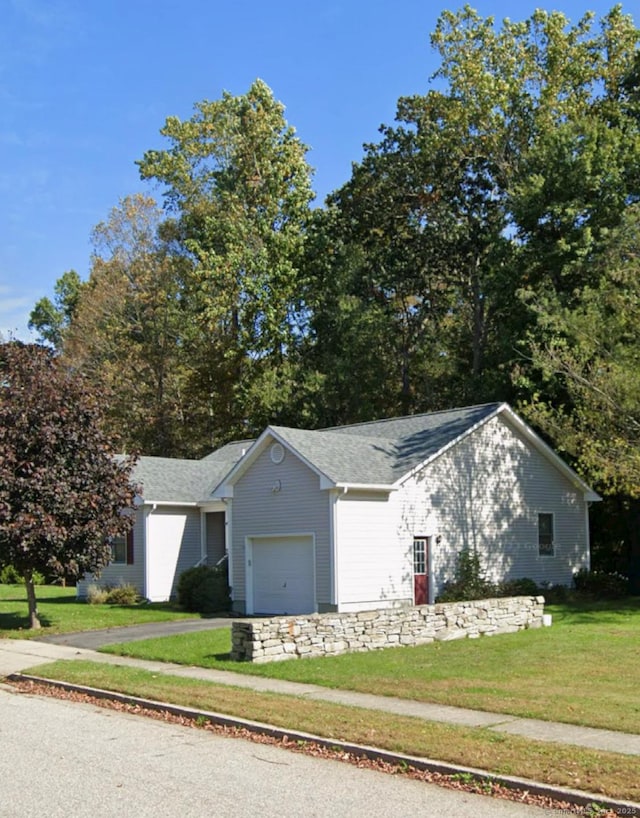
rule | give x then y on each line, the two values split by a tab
211	505
546	450
383	487
448	446
170	504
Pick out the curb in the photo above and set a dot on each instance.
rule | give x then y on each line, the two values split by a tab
575	797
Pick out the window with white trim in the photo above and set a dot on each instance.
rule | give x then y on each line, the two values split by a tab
420	555
545	535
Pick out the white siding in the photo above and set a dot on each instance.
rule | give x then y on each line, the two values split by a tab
371	558
485	494
280	499
122	574
174	546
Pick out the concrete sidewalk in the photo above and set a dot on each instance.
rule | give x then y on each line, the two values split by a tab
19	655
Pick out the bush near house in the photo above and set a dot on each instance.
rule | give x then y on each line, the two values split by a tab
601	584
470	583
204	590
125	594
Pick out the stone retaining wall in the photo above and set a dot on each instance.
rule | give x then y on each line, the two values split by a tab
296	637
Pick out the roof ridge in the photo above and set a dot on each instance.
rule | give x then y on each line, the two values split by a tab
168	457
330	430
409	417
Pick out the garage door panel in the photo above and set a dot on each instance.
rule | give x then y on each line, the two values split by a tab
283	575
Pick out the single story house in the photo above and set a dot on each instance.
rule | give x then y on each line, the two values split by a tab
177	524
363	516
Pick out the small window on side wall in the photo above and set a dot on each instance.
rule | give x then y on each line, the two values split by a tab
545	535
122	549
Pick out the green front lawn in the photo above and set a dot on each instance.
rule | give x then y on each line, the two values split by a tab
583	670
60	612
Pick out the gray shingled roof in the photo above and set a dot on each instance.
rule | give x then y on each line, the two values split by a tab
382	451
171	480
231	452
379	452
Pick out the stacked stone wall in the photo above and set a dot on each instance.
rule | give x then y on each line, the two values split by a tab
297	637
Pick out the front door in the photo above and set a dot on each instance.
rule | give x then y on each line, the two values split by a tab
420	570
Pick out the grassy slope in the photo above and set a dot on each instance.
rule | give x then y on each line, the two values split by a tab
583	670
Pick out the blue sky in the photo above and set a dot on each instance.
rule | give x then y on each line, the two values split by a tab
86	85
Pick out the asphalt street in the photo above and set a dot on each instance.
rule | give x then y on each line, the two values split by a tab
64	759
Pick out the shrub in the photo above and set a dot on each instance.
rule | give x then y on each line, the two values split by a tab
10	576
469	582
96	595
601	583
556	594
204	590
518	587
125	594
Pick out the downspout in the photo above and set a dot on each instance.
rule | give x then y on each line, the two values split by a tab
147	562
333	573
203	537
587	533
228	541
335	553
431	541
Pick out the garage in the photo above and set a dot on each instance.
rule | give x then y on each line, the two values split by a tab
282	574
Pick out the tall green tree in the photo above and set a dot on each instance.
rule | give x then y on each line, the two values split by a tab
127	330
238	186
590	353
52	318
405	298
62	492
492	188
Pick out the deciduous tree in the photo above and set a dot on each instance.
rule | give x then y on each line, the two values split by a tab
493	188
589	352
238	185
129	327
63	494
52	318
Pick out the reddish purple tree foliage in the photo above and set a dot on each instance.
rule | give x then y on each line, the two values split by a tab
63	494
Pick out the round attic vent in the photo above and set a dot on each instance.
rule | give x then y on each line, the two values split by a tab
277	453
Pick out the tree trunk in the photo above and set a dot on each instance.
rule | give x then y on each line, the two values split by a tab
479	323
34	616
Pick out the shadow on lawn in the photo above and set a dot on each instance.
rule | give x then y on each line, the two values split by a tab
590	611
14	621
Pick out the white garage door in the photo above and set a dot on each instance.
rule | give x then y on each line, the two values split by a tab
283	575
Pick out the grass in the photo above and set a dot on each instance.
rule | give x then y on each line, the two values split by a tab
583	670
611	774
60	612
